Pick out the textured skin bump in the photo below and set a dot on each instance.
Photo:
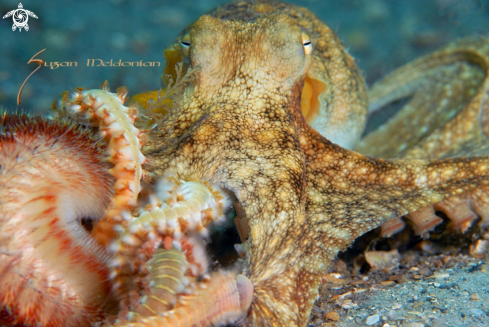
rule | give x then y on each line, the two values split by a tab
240	125
51	272
244	124
446	117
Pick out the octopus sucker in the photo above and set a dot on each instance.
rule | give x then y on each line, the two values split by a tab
461	211
450	108
305	195
274	106
392	227
424	220
51	272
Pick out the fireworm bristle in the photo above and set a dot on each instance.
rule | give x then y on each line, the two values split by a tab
189	208
221	300
51	272
115	121
185	208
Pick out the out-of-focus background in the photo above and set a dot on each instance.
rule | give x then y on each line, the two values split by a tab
381	35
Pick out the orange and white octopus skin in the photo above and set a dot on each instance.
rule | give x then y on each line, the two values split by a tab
273	85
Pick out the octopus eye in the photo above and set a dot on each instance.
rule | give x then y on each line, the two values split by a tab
185	45
306	43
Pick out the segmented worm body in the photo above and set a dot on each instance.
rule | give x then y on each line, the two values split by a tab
176	219
52	273
167	279
115	122
180	207
221	299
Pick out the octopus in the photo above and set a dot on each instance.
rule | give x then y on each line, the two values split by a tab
275	115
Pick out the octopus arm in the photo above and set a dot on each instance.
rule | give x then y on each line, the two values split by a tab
446	113
355	193
348	194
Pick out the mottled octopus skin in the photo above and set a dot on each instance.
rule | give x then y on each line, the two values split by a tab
176	216
239	124
447	114
54	273
446	117
51	272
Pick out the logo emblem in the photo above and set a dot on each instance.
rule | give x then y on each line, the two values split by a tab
20	17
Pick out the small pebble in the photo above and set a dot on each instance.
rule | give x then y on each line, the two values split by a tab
414	324
372	320
475	297
332	316
439	275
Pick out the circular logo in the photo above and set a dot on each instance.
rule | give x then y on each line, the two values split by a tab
20	18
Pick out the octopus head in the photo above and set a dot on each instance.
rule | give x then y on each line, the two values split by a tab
267	53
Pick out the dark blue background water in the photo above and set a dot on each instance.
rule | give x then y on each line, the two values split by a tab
381	34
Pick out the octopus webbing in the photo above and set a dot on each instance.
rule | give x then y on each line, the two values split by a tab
273	111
